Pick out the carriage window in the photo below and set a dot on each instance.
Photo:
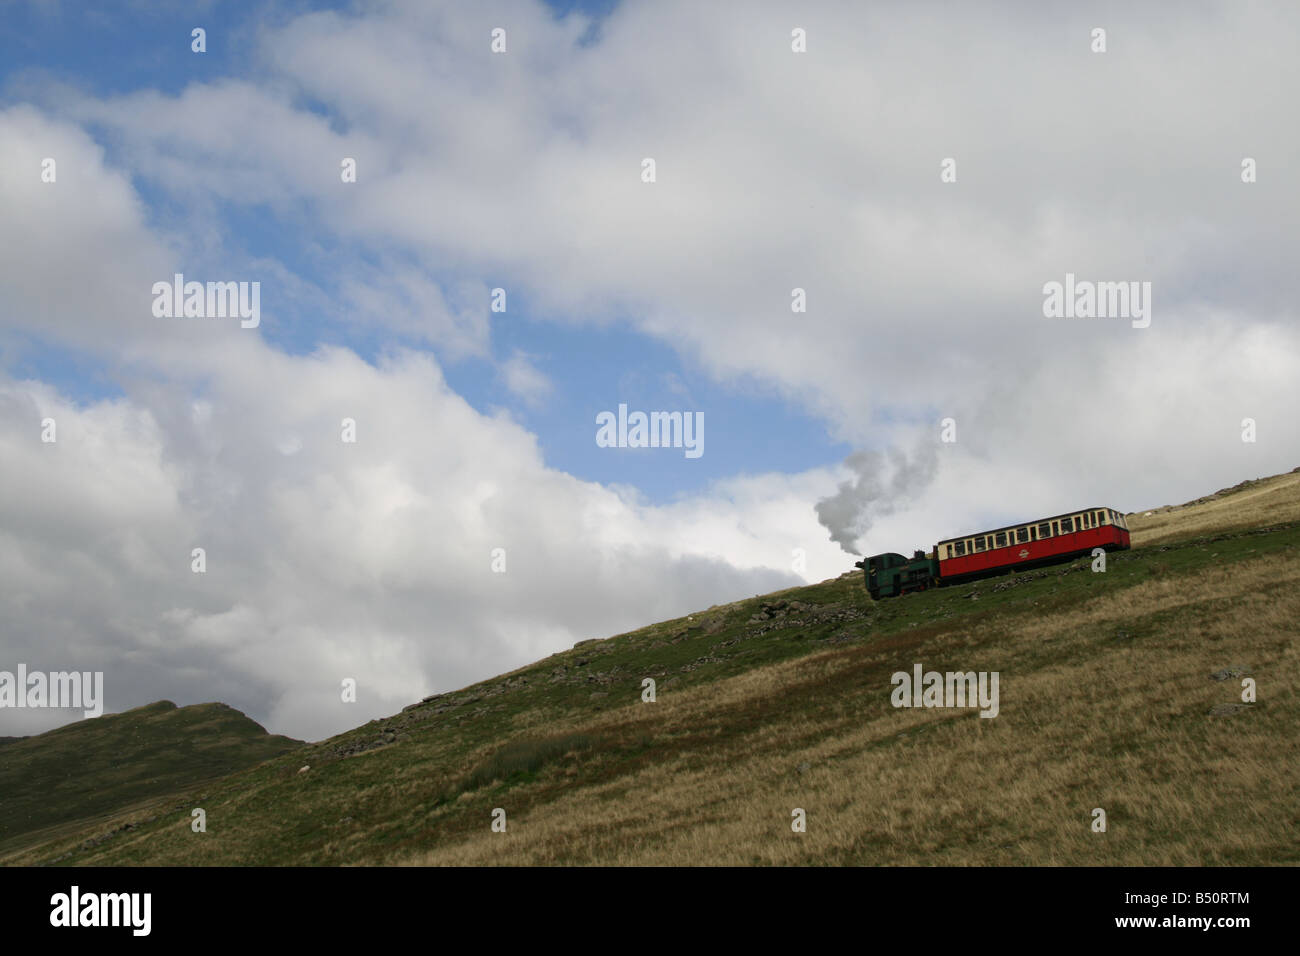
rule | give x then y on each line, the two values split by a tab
1044	530
960	548
979	544
1066	526
1087	519
1022	535
1002	539
1056	528
1098	517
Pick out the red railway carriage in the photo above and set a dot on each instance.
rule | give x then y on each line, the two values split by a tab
1030	545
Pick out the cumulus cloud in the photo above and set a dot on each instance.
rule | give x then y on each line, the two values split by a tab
920	293
371	560
325	559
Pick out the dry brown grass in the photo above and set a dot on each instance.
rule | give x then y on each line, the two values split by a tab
1127	731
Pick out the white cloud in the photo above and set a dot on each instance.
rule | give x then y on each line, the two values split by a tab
524	379
368	560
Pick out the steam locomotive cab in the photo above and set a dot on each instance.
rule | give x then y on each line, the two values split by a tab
890	574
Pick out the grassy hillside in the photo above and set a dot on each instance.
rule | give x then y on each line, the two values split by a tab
74	776
1258	503
1119	691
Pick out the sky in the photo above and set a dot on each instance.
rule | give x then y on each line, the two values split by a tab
839	266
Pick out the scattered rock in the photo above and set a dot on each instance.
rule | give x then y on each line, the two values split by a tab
96	841
701	661
770	610
303	769
1227	673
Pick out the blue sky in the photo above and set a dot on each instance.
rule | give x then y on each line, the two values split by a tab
749	425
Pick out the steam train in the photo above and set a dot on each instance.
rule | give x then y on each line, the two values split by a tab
986	553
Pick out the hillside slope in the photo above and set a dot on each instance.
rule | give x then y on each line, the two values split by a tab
1257	503
1119	690
70	777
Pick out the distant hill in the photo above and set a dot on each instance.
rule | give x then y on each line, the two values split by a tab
1119	690
93	768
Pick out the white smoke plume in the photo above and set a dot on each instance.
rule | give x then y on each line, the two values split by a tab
871	493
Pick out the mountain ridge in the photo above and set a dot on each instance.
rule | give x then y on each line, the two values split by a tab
96	767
